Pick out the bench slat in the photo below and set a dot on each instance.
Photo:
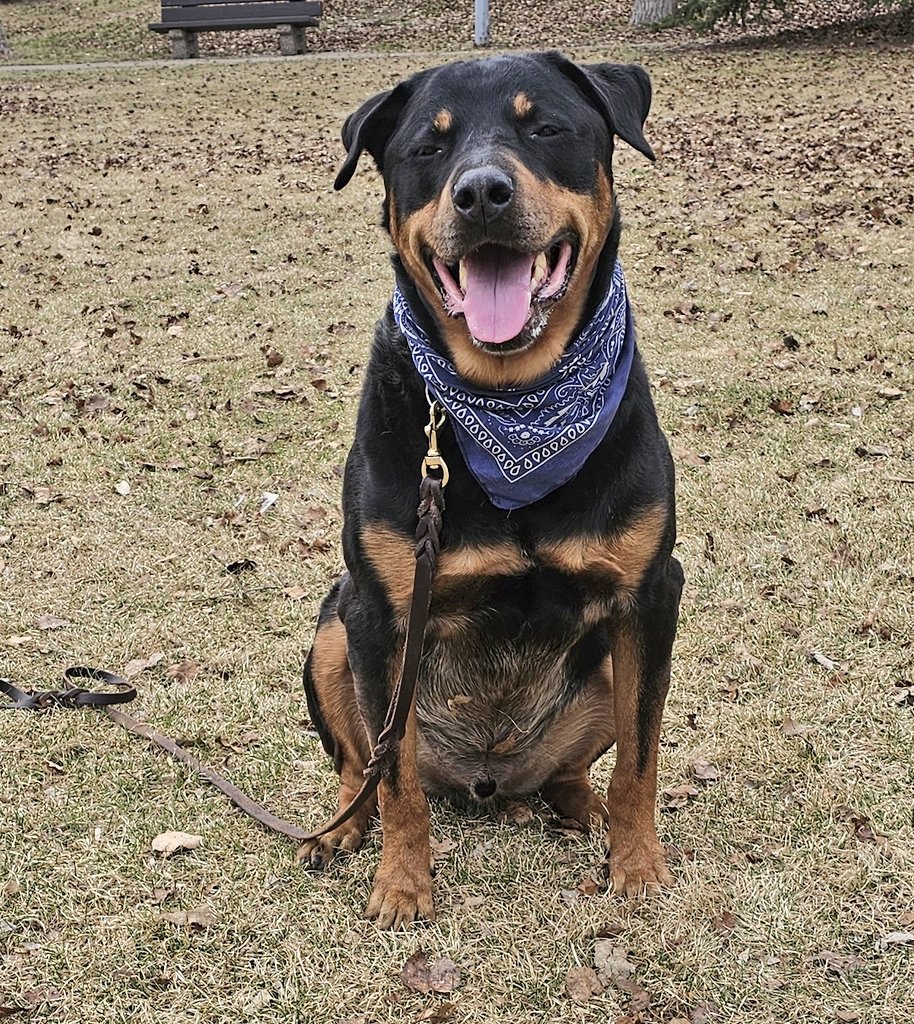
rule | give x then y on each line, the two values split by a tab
210	26
243	12
228	4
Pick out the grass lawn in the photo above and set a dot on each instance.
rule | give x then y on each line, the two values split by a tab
166	234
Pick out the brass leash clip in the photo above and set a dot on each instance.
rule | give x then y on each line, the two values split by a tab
433	459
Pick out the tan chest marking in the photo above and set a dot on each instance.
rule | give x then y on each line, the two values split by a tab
623	558
393	558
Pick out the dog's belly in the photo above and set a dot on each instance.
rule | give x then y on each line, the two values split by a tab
512	693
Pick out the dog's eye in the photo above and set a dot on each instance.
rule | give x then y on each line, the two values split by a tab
545	131
430	150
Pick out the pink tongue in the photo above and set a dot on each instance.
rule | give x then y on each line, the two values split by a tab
497	300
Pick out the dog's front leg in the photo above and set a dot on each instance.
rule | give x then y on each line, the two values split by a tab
641	648
403	882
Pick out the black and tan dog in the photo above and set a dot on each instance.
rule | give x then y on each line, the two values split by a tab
552	619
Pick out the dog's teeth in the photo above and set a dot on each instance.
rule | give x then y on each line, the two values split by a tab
540	271
462	274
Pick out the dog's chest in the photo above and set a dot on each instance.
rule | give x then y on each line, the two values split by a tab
509	656
515	638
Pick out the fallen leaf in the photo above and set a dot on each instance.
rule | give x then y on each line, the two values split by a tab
241	565
122	487
257	1001
52	622
588	886
689	457
679	796
171	842
821	659
434	1014
835	963
859	824
726	923
44	495
873	451
183	672
138	665
295	592
442	848
792	728
505	745
847	1016
705	771
782	406
612	961
906	918
199	918
272	356
639	997
581	983
895	939
441	976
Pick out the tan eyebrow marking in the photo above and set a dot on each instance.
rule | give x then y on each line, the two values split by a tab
443	120
523	105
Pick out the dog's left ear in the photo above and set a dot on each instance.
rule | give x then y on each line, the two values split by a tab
621	92
370	128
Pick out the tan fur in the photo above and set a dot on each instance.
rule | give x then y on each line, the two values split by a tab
623	559
523	105
393	556
335	691
444	121
545	210
403	882
637	859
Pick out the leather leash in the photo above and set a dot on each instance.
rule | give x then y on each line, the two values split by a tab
386	750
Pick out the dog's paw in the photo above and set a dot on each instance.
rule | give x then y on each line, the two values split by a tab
400	897
316	854
637	866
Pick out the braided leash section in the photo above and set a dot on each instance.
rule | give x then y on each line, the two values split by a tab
428	545
428	529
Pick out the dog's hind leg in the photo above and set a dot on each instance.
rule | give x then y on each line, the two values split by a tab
330	691
577	739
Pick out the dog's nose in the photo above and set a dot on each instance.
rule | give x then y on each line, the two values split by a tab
482	194
484	788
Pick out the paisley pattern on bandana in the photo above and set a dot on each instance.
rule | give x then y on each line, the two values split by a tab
522	443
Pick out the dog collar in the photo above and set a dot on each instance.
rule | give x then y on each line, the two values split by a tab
522	443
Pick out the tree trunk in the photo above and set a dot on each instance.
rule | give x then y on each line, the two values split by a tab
5	50
649	12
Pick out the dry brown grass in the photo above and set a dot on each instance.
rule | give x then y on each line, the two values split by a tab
158	228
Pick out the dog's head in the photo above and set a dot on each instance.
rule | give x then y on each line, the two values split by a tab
499	198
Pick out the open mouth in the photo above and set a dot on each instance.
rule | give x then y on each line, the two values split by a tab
504	294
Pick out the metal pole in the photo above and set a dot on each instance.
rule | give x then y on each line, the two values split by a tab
481	30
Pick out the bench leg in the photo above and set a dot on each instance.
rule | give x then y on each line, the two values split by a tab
291	40
183	43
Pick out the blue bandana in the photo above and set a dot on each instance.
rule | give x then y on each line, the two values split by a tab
522	443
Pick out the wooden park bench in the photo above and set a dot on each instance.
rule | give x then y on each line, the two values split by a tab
183	19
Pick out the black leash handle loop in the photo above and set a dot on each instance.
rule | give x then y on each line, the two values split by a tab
71	695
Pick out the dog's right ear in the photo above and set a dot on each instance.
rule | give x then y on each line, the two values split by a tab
370	128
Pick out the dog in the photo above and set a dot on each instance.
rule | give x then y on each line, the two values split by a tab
556	598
